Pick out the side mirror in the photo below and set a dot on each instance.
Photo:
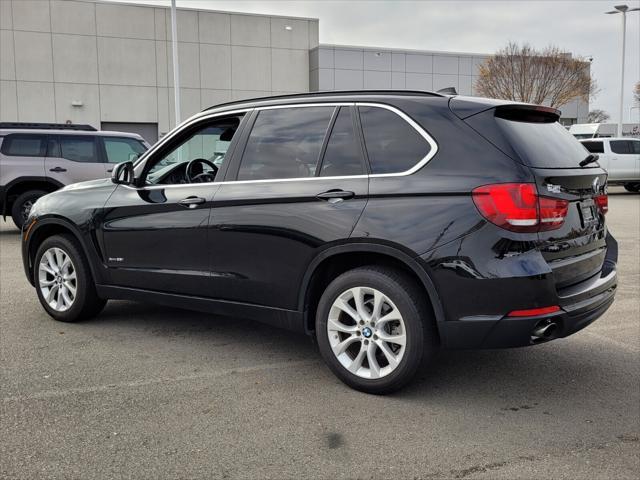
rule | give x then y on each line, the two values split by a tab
122	173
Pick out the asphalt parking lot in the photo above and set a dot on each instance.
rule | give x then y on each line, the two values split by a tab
151	392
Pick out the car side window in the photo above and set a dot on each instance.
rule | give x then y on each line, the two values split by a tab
285	143
594	147
122	149
207	144
78	148
393	145
343	155
621	146
23	145
635	144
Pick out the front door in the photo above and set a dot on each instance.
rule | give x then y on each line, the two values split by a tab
155	234
301	184
120	149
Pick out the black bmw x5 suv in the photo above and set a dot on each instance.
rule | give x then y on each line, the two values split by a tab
385	224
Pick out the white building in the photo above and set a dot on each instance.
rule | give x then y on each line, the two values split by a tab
109	65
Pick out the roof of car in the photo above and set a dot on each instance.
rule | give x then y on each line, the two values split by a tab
47	131
600	139
345	95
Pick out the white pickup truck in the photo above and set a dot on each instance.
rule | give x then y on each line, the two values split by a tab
620	157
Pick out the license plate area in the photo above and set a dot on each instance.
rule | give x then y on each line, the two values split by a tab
587	214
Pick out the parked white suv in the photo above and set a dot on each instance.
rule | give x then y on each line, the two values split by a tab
38	158
620	157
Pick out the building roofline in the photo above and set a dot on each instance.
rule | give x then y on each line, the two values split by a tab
195	9
400	50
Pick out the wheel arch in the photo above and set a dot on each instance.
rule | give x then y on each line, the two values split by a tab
47	227
22	184
337	259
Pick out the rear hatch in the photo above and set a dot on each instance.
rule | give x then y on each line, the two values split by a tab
562	168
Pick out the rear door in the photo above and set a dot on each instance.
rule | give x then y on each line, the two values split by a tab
299	184
74	158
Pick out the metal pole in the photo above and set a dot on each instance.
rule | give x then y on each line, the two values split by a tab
624	27
176	69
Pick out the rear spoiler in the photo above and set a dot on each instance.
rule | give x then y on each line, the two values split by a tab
465	107
528	113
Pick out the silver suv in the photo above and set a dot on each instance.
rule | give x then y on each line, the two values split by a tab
38	158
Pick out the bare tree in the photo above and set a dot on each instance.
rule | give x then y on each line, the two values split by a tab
597	116
550	76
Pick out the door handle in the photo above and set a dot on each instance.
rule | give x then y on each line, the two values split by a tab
335	195
110	170
191	202
58	169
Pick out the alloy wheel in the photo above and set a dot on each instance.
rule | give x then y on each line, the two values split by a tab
57	279
366	332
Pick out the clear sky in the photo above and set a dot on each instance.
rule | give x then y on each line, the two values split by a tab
477	26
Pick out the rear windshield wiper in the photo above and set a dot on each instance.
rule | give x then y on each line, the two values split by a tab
590	159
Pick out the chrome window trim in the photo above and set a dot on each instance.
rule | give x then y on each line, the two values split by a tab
187	123
432	143
208	115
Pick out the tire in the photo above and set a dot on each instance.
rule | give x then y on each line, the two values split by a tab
632	187
400	296
22	206
52	280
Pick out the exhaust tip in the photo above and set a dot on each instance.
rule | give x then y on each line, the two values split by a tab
544	331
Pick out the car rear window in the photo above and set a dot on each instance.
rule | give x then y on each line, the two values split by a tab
23	145
594	147
543	145
393	146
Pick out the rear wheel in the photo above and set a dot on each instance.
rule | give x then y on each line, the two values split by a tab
370	326
63	280
632	187
22	206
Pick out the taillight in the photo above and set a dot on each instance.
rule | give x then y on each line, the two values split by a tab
552	212
602	202
517	207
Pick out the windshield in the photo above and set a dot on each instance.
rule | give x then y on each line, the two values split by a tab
544	145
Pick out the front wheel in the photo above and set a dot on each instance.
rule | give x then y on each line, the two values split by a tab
632	187
63	280
370	326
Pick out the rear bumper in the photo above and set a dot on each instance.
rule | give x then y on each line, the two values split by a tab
580	305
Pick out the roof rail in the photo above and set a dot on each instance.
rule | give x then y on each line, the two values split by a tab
47	126
335	93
